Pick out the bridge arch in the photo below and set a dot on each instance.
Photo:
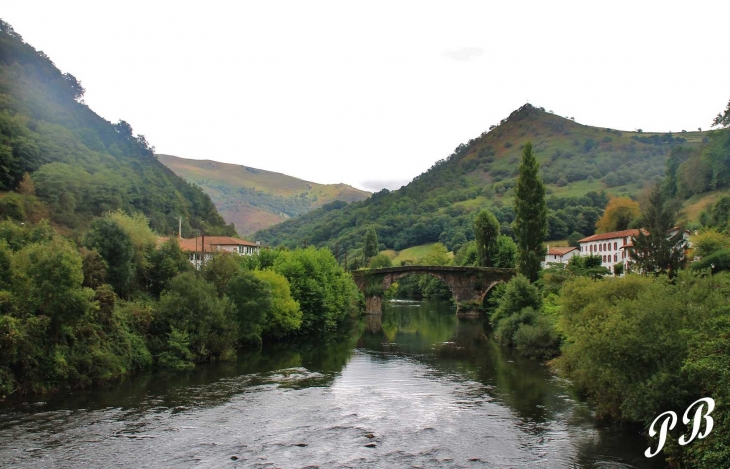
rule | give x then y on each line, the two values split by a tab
468	285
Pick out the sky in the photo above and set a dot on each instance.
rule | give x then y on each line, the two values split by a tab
372	93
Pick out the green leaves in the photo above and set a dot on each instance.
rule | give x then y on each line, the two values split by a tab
486	232
531	216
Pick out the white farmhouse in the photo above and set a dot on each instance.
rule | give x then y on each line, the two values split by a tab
202	248
559	255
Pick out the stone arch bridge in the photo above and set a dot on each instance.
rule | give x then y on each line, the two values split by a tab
469	285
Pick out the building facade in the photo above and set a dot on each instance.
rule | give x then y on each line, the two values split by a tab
559	255
202	248
613	248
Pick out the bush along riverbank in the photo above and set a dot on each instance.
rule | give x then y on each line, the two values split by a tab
100	304
635	346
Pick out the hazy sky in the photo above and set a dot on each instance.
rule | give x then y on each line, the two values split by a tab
373	93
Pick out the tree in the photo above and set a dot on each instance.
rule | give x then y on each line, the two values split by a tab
251	298
619	214
284	315
506	252
48	281
574	238
380	261
486	232
370	243
325	292
115	246
655	251
166	262
530	215
220	269
437	255
518	295
709	241
196	323
723	119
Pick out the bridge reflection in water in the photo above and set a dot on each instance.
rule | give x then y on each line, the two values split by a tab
468	285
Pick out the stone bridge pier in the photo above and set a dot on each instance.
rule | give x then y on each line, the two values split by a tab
469	285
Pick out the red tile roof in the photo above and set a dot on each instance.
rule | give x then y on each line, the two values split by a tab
560	251
195	244
611	235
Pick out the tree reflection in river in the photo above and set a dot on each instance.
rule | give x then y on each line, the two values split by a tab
434	391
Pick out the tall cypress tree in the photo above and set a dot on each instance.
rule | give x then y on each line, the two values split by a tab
531	215
370	244
486	232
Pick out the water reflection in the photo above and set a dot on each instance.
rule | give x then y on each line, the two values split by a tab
411	387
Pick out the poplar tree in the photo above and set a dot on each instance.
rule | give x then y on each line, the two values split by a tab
531	215
486	232
370	244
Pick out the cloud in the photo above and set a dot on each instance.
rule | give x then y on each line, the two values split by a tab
464	54
379	184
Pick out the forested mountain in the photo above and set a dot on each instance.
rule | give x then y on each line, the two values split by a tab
253	199
80	165
583	167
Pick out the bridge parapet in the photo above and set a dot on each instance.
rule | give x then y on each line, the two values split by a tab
469	285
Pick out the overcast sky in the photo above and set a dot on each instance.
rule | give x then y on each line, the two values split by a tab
373	93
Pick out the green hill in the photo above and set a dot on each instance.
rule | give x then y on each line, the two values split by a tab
81	165
254	199
582	166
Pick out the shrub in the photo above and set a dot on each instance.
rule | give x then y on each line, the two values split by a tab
538	340
518	295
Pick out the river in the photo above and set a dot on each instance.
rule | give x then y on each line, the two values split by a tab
415	387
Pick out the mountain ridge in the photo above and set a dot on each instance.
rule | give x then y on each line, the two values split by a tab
254	198
581	165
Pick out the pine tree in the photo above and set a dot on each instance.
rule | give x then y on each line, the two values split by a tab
531	215
486	232
654	251
370	244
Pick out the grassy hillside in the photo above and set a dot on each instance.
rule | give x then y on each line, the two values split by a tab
254	199
80	164
582	166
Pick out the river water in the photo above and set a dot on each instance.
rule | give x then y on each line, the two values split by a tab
414	387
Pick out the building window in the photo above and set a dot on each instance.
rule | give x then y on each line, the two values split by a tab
615	246
615	257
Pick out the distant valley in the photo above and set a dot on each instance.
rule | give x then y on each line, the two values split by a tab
254	199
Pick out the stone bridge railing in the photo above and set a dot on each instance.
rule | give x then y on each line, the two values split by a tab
469	285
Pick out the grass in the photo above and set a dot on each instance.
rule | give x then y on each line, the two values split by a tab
412	254
696	204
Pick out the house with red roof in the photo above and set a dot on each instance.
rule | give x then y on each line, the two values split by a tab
559	255
613	248
201	248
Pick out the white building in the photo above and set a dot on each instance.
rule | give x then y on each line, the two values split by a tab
203	247
559	255
612	248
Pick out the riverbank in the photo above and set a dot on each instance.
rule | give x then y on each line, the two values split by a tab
431	390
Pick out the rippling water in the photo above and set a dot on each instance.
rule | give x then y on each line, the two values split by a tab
413	388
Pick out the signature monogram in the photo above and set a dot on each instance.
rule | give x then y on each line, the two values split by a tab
670	421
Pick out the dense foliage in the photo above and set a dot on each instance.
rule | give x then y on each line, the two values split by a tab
486	233
75	314
530	216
